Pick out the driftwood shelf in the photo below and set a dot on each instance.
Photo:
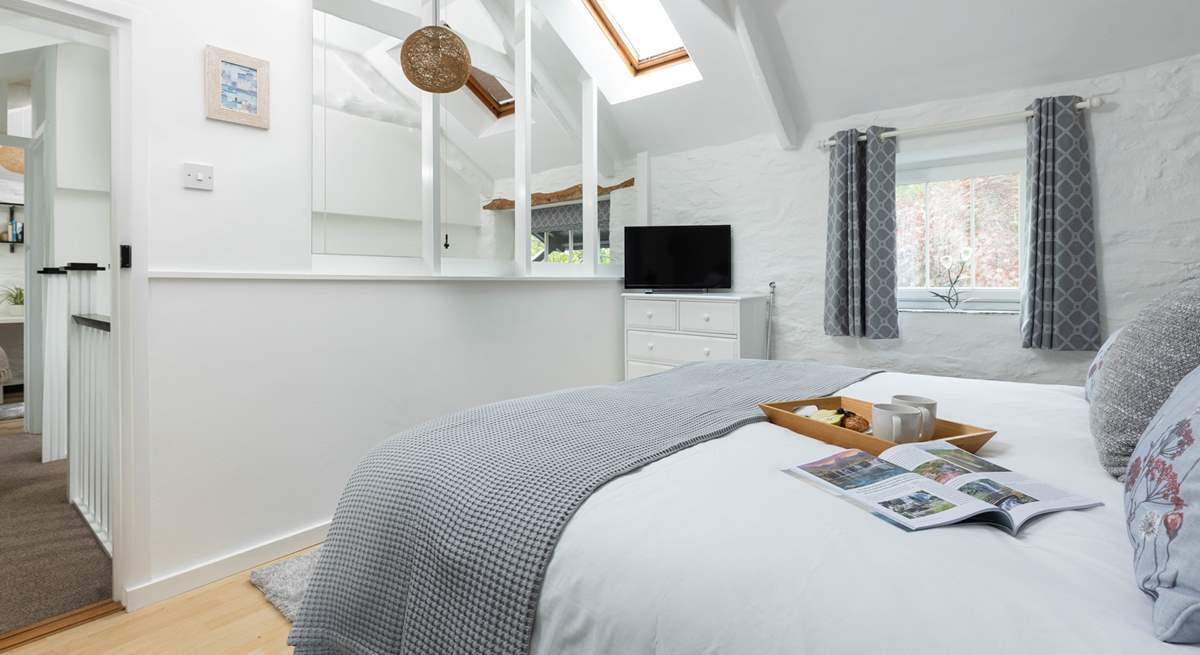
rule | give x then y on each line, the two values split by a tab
568	194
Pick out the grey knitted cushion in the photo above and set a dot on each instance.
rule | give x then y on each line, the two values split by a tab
1145	362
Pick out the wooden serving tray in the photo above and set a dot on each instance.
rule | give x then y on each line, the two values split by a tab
967	437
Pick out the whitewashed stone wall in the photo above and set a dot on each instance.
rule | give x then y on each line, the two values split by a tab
1147	176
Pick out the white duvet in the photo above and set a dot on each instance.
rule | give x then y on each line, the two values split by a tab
714	550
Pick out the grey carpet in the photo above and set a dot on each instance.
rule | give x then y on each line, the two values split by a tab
50	562
284	582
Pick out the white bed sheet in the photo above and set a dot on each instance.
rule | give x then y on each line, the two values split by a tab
713	550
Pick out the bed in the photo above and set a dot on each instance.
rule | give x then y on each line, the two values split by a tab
713	550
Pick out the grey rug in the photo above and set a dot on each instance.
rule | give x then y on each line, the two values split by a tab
283	583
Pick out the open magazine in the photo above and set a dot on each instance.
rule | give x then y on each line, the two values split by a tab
933	483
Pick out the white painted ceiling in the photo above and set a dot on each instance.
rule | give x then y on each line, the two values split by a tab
832	58
853	56
844	57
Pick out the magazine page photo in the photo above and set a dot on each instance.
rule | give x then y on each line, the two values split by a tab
913	501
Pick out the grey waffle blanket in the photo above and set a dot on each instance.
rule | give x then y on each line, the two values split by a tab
441	539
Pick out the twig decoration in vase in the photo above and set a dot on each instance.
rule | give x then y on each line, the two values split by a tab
952	297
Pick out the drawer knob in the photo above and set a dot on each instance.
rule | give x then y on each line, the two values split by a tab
649	346
706	317
706	352
649	314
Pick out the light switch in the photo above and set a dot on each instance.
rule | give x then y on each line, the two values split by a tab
198	176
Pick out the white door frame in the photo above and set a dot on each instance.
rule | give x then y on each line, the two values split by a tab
121	23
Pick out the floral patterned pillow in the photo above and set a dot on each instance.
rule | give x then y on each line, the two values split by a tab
1162	509
1093	372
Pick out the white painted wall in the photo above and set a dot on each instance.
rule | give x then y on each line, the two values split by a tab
81	159
20	119
81	112
622	211
1146	153
369	167
264	393
257	218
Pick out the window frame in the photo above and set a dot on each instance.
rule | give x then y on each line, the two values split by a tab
499	110
981	299
625	50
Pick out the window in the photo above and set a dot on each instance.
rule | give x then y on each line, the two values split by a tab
566	247
960	221
556	233
641	32
491	92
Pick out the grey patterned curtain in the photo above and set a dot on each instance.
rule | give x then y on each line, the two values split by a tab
1061	306
860	248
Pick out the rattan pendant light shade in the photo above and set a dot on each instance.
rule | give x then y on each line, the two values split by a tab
435	59
12	159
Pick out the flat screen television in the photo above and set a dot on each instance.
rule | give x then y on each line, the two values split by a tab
678	257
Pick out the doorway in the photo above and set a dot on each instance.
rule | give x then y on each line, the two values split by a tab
57	447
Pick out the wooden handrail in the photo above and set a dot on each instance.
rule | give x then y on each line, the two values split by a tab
97	321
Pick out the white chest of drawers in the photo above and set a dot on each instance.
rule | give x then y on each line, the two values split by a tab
664	330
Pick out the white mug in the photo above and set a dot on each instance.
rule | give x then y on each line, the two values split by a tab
928	408
899	423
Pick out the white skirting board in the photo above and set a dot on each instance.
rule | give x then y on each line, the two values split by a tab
168	586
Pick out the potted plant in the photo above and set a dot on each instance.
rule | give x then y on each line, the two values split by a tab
14	298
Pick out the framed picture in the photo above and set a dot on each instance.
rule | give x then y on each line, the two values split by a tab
237	88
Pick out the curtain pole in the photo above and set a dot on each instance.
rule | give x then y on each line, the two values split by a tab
1090	103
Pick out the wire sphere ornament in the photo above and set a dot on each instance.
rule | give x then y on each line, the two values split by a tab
435	59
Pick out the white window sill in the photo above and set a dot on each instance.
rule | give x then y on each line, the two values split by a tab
985	301
1006	312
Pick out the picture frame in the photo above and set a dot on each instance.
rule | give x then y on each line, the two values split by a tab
237	88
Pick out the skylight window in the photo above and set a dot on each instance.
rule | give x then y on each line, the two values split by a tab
641	32
491	92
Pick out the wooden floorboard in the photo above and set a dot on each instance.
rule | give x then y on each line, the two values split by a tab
228	617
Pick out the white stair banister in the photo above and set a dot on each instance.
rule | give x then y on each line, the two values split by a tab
56	308
89	347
